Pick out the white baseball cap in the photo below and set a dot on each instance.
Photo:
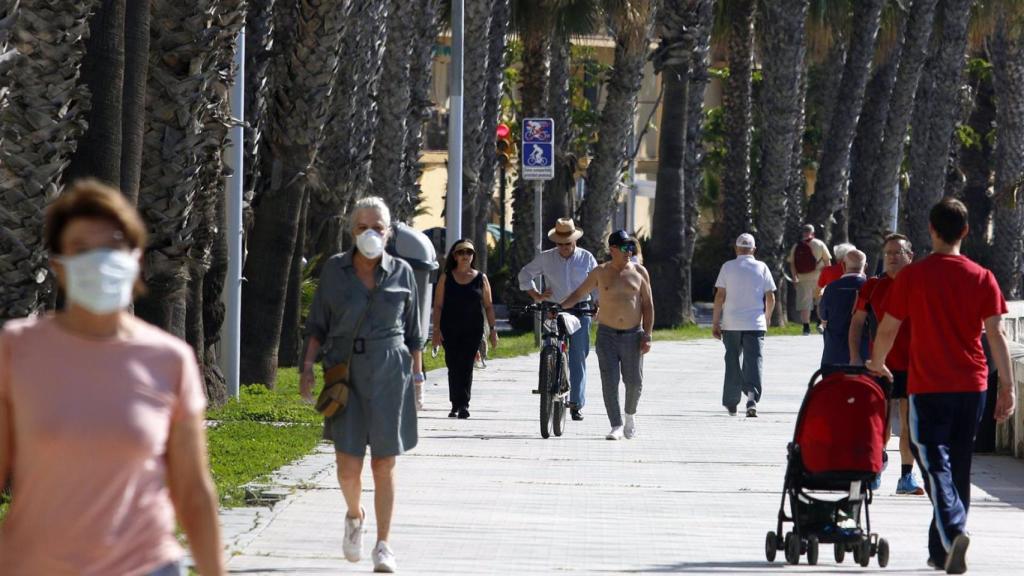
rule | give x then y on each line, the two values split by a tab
745	241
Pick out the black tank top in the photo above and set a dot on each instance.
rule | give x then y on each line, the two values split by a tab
462	311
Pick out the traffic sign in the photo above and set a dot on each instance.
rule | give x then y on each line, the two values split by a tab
538	157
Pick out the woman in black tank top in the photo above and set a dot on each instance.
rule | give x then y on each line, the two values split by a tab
462	298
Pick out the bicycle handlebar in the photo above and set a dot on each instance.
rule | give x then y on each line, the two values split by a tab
582	308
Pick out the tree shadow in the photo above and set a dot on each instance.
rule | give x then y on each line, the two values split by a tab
1000	476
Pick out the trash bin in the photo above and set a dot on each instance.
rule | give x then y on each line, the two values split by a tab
415	248
985	440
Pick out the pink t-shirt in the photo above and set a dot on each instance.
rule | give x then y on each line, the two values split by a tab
90	422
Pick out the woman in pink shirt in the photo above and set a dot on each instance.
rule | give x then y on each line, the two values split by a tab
101	415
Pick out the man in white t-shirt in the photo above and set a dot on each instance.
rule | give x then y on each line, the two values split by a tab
744	300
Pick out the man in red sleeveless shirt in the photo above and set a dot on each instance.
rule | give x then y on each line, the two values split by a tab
948	298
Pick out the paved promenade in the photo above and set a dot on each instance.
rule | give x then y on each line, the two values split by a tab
694	493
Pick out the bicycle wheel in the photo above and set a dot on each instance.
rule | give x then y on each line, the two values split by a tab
547	377
558	411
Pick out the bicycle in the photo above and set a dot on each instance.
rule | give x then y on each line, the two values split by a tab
553	379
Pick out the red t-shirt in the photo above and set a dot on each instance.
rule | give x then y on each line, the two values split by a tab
875	292
948	298
830	274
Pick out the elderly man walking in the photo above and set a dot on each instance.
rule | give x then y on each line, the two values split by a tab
836	310
744	300
564	268
806	260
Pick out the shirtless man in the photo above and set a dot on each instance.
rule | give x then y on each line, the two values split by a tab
625	319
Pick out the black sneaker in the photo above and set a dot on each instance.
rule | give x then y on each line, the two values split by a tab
575	413
731	409
956	558
751	411
453	413
463	414
807	330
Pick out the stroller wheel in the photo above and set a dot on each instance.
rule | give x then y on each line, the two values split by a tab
840	552
812	550
863	557
883	552
771	546
792	548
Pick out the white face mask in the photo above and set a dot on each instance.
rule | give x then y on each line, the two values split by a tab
101	280
370	244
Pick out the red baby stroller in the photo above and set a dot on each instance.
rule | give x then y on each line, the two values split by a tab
837	448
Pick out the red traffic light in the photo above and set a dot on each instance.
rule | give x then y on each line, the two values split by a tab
503	131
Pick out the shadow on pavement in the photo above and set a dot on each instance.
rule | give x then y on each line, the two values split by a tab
1000	476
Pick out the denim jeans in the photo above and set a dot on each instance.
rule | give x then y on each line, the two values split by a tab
172	569
745	378
579	349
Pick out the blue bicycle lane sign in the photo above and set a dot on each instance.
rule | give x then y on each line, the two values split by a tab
538	156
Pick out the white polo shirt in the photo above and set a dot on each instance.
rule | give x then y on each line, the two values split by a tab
745	281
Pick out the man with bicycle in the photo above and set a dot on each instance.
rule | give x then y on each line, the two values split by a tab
564	268
625	321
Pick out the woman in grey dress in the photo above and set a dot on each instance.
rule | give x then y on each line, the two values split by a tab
386	354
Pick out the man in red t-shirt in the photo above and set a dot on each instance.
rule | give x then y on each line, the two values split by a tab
948	298
897	253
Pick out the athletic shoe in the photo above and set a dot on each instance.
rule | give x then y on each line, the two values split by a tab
453	413
731	409
463	413
384	558
353	544
575	413
807	330
934	565
751	411
819	328
908	485
629	430
615	434
956	558
877	482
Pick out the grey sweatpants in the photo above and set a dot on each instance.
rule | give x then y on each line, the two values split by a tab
618	352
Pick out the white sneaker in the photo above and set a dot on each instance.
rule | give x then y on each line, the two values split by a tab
418	389
630	429
353	544
615	434
383	558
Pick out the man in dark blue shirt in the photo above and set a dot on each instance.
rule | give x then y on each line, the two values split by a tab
836	309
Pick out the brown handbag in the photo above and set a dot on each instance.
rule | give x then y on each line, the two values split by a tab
334	397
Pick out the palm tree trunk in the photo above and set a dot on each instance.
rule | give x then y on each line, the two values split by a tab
669	278
933	127
737	111
259	41
393	96
783	44
913	55
556	191
133	100
99	150
867	203
496	56
288	350
830	189
308	36
213	310
421	74
633	24
44	103
795	205
976	161
475	140
1008	241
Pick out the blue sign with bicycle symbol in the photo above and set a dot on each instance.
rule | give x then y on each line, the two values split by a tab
538	155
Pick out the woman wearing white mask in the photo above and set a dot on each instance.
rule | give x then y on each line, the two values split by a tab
365	311
101	415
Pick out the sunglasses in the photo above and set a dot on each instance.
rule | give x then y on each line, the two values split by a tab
563	243
464	252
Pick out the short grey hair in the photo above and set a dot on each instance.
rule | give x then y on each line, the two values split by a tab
855	261
371	203
842	250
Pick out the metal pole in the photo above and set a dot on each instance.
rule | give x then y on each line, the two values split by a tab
231	339
501	218
538	236
453	203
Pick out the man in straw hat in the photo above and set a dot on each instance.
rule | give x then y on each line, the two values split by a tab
564	268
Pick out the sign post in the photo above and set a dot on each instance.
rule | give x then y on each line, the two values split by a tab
538	165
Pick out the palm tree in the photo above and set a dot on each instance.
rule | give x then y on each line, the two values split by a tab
259	40
393	99
736	18
1008	81
913	53
833	172
632	24
133	99
784	48
934	117
41	118
976	162
680	37
308	37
